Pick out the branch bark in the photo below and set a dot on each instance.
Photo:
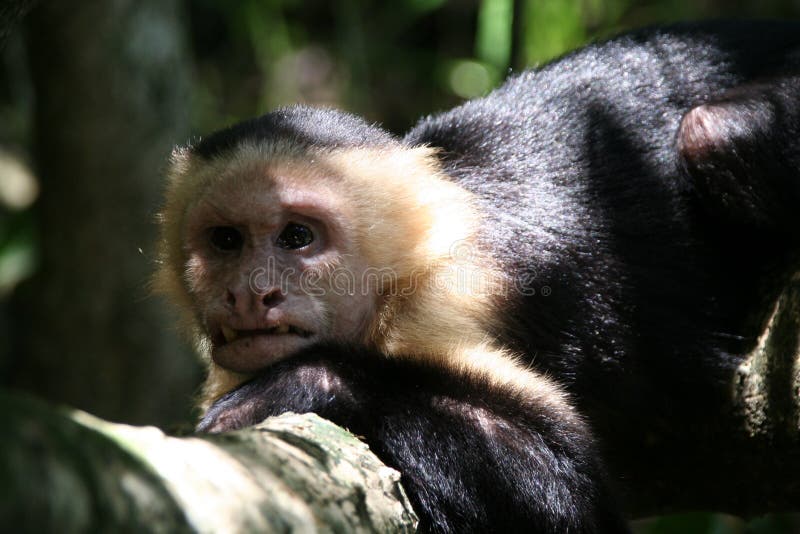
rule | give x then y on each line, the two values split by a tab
67	471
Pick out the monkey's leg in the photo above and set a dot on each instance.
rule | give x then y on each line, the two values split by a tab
473	456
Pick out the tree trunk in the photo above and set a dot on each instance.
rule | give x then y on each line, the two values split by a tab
111	93
71	472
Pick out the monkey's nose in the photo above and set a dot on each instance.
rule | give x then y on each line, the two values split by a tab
247	302
271	298
234	299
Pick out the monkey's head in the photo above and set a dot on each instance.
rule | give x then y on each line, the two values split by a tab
305	226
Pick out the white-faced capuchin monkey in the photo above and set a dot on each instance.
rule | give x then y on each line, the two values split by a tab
579	231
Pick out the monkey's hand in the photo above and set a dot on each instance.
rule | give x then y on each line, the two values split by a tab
473	456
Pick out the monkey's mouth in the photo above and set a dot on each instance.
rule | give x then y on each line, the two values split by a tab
227	334
249	351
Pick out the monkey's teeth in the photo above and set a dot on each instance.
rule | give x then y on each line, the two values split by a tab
282	329
229	333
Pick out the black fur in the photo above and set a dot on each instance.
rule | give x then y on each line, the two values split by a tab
299	125
621	184
651	259
474	458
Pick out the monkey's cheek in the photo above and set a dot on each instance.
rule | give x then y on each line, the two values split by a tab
253	353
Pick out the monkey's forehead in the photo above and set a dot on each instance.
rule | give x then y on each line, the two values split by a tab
302	126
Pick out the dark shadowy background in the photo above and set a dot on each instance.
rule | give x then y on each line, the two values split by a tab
94	94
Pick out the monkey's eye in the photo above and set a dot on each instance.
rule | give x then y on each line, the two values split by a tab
226	238
295	236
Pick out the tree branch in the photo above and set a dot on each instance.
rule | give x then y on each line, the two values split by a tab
71	472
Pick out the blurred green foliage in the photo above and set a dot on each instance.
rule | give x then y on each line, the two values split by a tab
391	62
17	250
396	61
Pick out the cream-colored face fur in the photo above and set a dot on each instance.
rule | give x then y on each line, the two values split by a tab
379	271
258	298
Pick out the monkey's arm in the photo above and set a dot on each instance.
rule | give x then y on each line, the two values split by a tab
474	457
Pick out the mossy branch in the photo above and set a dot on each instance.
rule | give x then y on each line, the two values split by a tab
67	471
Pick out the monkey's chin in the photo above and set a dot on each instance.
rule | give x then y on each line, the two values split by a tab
254	353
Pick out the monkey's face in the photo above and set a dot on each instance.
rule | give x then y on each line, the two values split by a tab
272	267
271	248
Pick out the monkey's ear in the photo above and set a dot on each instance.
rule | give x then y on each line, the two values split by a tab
742	152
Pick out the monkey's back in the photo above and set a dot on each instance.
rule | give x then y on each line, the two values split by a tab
577	172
